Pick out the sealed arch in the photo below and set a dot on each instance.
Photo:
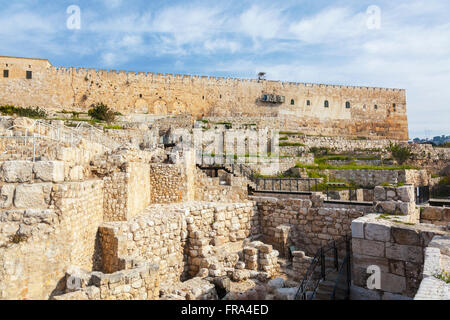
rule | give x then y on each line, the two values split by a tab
140	106
159	107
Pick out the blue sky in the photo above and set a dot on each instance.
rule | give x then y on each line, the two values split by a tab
304	41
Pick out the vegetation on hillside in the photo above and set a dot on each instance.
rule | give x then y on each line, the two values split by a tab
102	112
399	153
29	112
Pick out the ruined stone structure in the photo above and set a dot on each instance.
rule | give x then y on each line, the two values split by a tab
317	109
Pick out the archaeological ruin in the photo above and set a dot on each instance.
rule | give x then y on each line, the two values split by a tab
203	188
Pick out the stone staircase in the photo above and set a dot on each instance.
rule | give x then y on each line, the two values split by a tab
326	287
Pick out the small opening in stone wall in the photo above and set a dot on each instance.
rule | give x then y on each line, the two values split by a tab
140	95
326	104
347	105
375	107
308	103
5	73
29	74
203	97
394	107
292	102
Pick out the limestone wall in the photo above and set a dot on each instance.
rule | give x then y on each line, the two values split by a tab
395	247
373	178
167	183
307	227
373	111
45	242
176	237
139	283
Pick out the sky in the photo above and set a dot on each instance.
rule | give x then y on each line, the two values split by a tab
394	44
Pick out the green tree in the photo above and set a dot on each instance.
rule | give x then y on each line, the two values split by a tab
400	153
102	112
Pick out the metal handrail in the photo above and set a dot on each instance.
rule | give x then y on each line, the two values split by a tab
345	265
319	260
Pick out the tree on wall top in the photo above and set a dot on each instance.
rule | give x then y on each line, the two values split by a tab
400	153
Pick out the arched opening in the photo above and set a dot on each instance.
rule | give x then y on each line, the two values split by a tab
292	102
347	105
326	104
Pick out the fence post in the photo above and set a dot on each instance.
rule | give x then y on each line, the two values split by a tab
322	263
34	148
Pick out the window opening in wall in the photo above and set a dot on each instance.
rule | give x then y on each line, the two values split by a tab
375	107
327	104
140	95
292	102
394	107
347	105
29	75
5	73
308	103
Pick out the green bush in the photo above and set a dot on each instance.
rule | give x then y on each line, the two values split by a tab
399	153
291	144
102	112
29	112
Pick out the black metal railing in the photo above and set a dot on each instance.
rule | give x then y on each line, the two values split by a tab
343	279
326	261
276	184
422	194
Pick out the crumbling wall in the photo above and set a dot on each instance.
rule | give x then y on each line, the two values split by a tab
176	237
287	222
46	242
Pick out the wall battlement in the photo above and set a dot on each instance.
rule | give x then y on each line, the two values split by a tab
311	108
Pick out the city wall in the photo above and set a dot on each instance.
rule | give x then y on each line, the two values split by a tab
374	112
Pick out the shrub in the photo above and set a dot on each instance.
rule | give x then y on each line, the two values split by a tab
399	153
102	112
29	112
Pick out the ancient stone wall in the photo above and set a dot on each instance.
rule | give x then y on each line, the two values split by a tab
373	111
167	183
395	247
42	243
371	178
141	282
176	237
307	227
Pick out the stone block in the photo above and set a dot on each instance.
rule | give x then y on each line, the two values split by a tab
406	236
7	195
17	171
379	194
393	283
28	196
404	253
49	171
358	229
377	232
368	247
406	194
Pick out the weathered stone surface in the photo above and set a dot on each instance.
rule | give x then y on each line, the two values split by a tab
30	196
377	232
406	236
49	171
17	171
404	253
368	247
6	195
392	283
